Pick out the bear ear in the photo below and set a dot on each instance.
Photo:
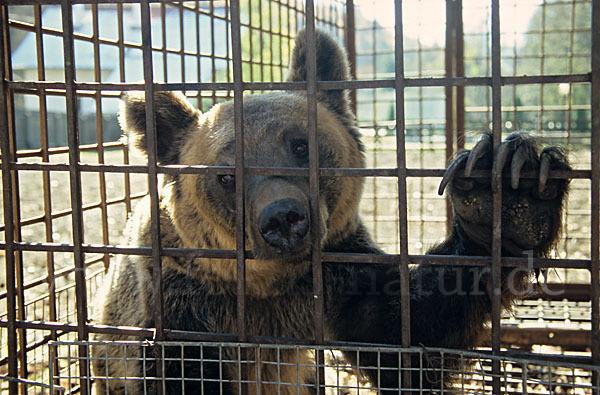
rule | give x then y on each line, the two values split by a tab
174	116
332	65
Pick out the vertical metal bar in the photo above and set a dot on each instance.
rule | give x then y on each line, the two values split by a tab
182	41
350	41
238	91
16	207
8	156
227	54
595	164
100	131
75	185
121	46
163	23
401	162
399	86
212	51
250	44
153	182
44	146
376	140
450	60
497	196
198	57
313	156
542	64
460	72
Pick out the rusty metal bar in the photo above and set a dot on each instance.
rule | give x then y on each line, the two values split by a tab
199	37
457	260
313	156
31	86
402	174
63	213
403	261
44	144
75	185
174	335
227	48
125	147
239	168
16	215
63	150
100	130
240	207
182	43
151	139
450	62
279	171
460	73
7	192
163	32
350	41
497	196
213	66
595	198
287	171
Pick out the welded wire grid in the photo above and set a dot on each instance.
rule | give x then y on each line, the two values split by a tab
471	370
64	68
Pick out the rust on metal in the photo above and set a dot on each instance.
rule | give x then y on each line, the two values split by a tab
497	195
595	189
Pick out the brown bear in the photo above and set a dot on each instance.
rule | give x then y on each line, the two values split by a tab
361	300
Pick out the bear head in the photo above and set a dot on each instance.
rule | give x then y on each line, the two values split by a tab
202	207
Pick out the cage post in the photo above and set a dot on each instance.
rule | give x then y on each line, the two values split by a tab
75	185
497	196
16	218
350	41
455	95
399	85
121	47
313	159
151	138
44	143
459	71
100	131
595	198
450	64
8	156
238	111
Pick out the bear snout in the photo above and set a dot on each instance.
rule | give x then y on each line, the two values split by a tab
284	225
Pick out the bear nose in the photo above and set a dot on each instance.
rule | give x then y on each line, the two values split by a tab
284	225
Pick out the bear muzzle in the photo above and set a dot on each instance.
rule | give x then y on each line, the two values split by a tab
284	226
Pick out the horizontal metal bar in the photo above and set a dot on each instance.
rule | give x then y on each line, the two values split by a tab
321	85
281	171
457	260
174	335
31	153
86	207
57	274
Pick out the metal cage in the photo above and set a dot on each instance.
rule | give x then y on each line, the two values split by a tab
424	83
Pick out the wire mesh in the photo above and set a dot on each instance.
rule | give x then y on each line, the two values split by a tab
276	369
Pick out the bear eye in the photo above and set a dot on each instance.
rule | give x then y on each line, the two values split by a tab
300	148
226	179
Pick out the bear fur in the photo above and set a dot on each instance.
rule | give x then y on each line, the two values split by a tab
361	300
